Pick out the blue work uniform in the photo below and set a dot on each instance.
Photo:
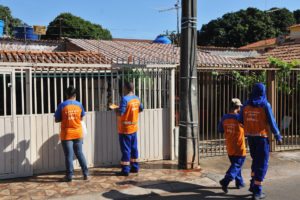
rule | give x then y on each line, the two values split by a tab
258	119
130	106
235	144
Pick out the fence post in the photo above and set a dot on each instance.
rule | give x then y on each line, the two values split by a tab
172	114
28	81
271	95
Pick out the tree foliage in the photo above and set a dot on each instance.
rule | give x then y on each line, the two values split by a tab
68	25
297	16
10	21
245	26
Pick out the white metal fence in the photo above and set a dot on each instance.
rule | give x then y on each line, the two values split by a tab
29	137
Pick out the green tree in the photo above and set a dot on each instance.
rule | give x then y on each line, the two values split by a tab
245	26
297	16
68	25
282	18
10	21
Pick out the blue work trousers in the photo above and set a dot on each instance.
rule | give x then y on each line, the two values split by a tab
70	146
235	171
128	144
259	151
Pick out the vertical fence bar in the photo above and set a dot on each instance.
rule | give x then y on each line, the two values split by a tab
159	88
68	77
172	112
99	90
149	88
61	86
133	79
284	114
55	89
86	91
4	95
35	93
42	91
28	82
105	88
155	88
204	83
74	78
48	90
297	107
93	95
144	88
112	86
123	77
22	91
80	86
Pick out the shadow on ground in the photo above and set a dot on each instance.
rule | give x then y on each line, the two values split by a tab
172	191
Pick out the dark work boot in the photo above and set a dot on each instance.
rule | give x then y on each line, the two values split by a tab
257	197
224	188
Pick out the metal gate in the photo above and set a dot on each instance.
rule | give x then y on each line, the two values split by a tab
15	135
217	87
30	137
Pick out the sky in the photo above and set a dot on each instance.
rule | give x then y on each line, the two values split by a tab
133	19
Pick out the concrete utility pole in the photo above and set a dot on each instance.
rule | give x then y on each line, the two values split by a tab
188	132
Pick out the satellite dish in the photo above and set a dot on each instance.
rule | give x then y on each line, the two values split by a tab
280	40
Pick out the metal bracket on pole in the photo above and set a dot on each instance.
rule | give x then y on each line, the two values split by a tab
191	77
182	137
185	124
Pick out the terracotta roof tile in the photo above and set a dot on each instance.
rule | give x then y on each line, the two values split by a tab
52	57
294	26
288	53
262	43
149	53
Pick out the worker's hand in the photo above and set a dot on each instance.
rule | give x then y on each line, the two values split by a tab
279	142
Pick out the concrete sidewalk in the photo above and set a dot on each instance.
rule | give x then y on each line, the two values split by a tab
160	178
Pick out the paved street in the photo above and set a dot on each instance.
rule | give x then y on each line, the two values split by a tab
160	180
287	188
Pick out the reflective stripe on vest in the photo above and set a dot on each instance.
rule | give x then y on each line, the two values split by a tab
256	134
130	123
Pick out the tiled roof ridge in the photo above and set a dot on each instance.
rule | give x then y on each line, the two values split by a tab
224	48
132	40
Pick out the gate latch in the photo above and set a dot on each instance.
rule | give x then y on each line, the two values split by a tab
9	85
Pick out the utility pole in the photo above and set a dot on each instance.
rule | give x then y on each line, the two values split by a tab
188	132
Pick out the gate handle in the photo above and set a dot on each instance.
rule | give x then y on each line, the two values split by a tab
9	85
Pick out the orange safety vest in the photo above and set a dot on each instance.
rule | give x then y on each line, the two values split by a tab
255	121
128	122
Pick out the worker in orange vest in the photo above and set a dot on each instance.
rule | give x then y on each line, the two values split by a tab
128	114
235	144
258	119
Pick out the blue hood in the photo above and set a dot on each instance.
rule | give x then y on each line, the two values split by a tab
258	96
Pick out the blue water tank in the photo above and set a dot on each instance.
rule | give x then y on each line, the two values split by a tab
162	39
1	28
22	31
